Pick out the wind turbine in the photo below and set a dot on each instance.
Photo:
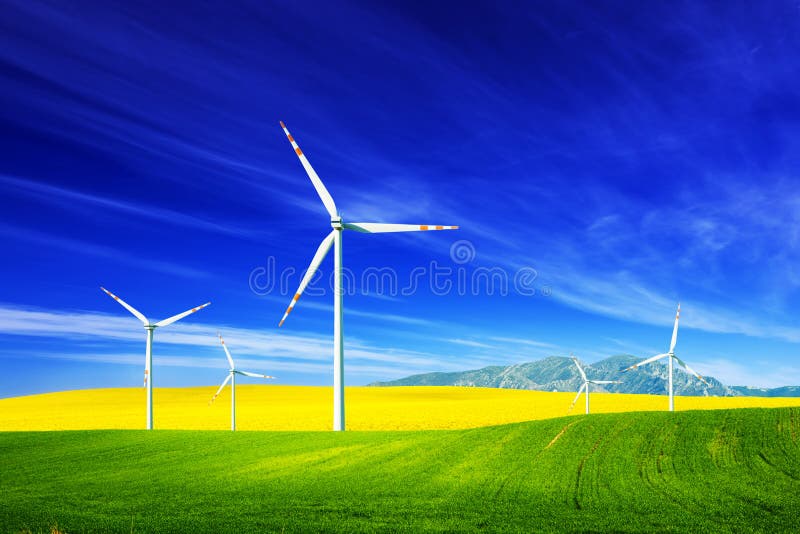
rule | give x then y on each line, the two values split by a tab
670	356
585	385
148	362
232	378
335	239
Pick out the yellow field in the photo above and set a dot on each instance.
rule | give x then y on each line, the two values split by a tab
310	408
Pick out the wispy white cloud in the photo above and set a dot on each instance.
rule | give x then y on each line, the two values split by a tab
265	365
619	296
469	343
524	341
277	350
619	269
630	347
387	317
78	200
738	374
81	248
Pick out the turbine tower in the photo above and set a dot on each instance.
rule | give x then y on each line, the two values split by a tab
335	239
671	356
232	378
585	385
148	362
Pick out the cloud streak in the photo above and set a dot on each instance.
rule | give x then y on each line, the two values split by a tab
77	200
85	248
295	351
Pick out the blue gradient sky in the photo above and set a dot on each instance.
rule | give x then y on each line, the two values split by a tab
633	155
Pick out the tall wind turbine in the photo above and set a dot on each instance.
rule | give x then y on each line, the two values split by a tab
671	356
232	378
585	385
148	362
335	238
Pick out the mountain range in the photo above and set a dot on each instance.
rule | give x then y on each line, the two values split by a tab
557	373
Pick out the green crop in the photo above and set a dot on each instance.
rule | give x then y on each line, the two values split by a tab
722	470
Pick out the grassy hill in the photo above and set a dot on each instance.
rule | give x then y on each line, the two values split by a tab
261	407
725	470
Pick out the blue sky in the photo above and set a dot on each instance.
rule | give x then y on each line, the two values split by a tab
633	156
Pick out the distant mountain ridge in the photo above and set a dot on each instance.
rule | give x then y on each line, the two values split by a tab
785	391
557	373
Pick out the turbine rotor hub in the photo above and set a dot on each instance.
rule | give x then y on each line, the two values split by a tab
336	223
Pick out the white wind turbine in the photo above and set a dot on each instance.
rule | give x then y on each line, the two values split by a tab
148	365
232	379
585	385
670	356
335	238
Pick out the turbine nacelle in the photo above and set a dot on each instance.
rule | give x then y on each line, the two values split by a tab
336	223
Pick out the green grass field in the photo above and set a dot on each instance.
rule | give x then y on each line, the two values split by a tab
722	470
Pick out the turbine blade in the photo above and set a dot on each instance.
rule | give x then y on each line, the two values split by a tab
225	383
605	381
318	185
323	249
571	406
580	369
379	228
645	362
127	306
675	331
180	316
691	371
227	352
254	375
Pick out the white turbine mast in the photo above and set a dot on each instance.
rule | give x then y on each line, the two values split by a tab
232	379
585	386
148	362
335	239
671	356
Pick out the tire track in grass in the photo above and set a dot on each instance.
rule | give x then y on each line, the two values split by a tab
790	452
651	458
611	437
575	498
514	470
576	493
656	482
553	441
730	447
677	463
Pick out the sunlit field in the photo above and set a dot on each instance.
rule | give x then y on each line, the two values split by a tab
309	408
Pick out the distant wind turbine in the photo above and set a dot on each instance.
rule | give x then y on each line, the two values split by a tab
232	379
671	356
148	365
585	386
335	238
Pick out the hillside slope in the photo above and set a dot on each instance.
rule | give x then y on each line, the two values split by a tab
726	471
557	373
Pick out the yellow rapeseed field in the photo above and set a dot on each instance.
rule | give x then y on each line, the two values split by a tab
310	408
